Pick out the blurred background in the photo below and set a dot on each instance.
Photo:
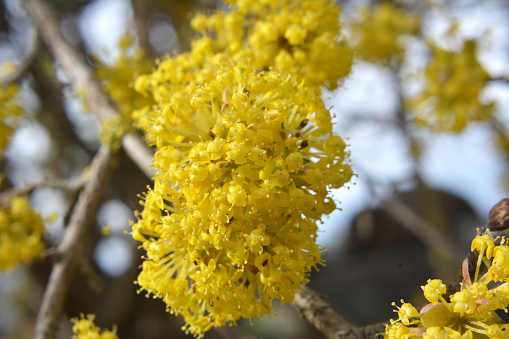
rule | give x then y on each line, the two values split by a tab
409	179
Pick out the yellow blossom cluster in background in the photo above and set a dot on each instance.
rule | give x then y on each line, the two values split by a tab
377	31
9	110
261	33
470	312
245	161
84	328
118	83
298	37
453	79
451	96
21	230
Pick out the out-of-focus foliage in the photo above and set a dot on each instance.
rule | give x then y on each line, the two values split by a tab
451	96
21	231
84	328
118	82
376	34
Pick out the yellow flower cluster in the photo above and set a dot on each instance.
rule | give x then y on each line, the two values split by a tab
376	34
450	99
299	37
245	160
84	328
9	111
245	163
471	312
262	33
21	230
118	83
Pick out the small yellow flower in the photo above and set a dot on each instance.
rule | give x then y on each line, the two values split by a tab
484	243
499	270
84	328
406	312
435	333
397	331
464	301
433	290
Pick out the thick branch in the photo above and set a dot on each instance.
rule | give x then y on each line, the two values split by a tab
72	246
82	78
316	310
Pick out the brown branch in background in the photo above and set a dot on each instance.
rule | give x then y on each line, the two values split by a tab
72	246
313	307
423	230
139	152
141	14
82	78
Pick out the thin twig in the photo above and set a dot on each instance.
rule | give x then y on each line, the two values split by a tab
82	78
70	185
423	230
500	79
72	246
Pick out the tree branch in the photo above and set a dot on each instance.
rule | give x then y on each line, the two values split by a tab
423	230
82	79
67	184
72	246
316	310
